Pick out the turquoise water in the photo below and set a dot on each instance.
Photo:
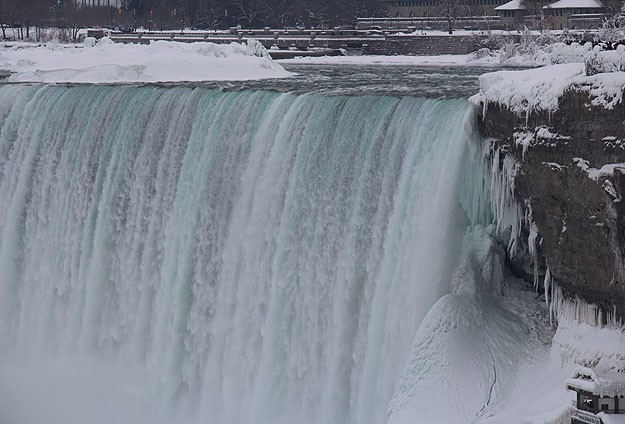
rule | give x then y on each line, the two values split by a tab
231	255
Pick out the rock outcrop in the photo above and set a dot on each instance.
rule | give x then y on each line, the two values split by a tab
571	182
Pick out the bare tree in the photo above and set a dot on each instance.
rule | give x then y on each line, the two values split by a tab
3	22
68	15
280	12
250	12
451	10
314	13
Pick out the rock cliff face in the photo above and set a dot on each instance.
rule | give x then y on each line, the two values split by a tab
571	179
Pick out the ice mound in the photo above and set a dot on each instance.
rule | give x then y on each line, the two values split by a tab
161	61
466	349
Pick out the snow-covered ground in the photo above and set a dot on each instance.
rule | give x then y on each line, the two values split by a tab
165	61
161	61
540	89
442	60
527	54
532	89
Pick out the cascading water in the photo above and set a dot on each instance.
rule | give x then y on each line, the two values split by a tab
238	257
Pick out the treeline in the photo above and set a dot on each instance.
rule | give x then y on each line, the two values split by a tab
20	16
207	14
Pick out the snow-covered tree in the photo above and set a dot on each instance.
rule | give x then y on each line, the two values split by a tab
613	28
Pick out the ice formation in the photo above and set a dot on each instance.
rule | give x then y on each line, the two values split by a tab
467	348
160	61
495	202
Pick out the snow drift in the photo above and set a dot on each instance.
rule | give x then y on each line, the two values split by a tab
160	61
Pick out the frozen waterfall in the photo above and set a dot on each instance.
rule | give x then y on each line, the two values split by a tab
229	257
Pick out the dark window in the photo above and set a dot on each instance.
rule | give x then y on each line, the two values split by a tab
587	403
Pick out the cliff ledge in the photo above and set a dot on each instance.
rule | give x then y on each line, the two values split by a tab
570	181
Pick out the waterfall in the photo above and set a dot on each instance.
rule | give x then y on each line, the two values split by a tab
238	256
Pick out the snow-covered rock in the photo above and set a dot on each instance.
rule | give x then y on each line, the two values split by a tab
527	90
541	89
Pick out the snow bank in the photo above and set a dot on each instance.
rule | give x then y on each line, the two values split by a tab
560	53
533	51
442	60
512	55
582	344
540	89
160	61
532	89
540	393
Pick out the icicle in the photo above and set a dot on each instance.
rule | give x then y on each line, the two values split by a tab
547	285
555	299
531	243
489	195
562	309
484	107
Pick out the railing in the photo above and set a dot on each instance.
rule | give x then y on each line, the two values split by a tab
585	417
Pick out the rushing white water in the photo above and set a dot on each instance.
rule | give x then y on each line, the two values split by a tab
225	257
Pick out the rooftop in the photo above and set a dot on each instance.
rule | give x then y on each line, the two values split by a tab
598	383
512	5
575	4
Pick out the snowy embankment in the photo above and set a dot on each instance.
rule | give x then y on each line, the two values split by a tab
527	90
442	60
540	89
519	55
161	61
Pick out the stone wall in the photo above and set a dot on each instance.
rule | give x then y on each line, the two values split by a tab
580	219
422	45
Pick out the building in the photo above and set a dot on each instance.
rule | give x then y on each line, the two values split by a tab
432	14
512	14
435	8
576	14
96	3
505	14
562	14
600	397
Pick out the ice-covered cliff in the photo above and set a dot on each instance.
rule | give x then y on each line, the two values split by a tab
564	130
